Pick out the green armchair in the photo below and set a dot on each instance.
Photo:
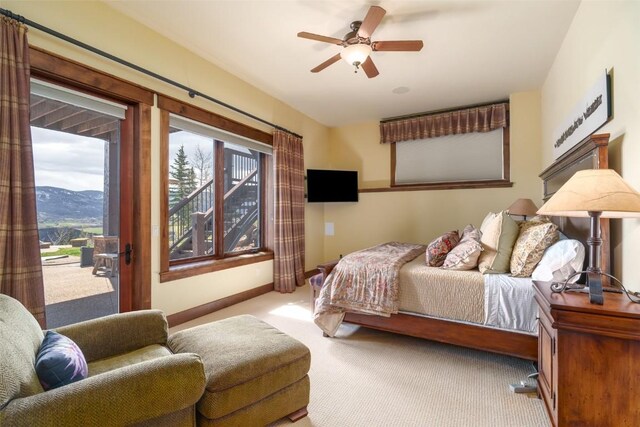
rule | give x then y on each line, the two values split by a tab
134	379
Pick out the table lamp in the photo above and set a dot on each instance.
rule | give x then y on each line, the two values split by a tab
523	207
594	193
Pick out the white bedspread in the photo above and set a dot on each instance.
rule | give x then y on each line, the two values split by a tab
509	303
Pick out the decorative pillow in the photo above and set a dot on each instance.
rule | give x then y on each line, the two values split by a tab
499	233
438	249
560	261
538	218
534	238
488	218
59	361
465	255
470	232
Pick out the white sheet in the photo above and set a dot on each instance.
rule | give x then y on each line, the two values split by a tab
509	303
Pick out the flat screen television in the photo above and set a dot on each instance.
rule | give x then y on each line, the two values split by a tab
331	186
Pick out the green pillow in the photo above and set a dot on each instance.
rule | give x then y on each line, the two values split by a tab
499	234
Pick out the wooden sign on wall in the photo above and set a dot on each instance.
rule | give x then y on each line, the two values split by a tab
593	111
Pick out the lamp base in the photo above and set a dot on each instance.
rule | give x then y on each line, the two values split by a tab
585	289
595	288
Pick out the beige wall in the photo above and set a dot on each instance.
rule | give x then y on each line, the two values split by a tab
603	35
420	216
97	24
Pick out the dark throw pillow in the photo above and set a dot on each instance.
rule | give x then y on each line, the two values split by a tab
59	361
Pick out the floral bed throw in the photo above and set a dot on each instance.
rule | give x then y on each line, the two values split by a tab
365	281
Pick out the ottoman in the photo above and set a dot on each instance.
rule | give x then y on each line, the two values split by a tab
255	374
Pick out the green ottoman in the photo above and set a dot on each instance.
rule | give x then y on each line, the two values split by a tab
255	374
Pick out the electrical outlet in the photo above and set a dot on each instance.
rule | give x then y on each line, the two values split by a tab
328	229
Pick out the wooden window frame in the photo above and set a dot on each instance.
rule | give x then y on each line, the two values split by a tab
448	185
179	269
56	69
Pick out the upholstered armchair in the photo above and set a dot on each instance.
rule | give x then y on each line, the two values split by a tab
133	378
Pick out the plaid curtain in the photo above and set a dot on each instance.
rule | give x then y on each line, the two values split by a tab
288	245
20	264
476	119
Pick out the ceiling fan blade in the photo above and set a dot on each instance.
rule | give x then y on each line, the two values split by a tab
371	21
326	63
319	38
370	68
398	45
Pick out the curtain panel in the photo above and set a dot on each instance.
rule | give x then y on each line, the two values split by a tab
288	244
20	264
477	119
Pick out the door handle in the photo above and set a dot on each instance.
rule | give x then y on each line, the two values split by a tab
128	252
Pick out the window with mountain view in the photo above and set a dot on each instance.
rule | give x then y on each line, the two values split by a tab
76	150
215	192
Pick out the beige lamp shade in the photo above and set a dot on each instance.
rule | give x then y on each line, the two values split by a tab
524	207
594	190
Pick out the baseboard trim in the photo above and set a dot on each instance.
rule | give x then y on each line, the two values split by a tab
210	307
311	273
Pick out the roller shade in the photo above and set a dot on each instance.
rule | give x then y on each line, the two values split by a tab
78	99
215	133
466	157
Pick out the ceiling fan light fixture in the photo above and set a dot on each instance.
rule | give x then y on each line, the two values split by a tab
357	45
356	54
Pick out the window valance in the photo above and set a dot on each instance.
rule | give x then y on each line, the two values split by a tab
476	119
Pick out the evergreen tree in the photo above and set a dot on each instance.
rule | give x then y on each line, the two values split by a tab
192	181
183	178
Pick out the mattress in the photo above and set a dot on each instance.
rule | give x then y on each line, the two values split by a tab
493	300
449	294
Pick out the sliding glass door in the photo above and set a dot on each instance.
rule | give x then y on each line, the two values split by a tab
80	147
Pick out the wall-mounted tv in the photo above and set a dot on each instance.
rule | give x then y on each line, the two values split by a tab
332	186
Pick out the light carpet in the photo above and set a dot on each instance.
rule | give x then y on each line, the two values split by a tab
370	378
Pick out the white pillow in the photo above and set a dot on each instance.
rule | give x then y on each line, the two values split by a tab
560	261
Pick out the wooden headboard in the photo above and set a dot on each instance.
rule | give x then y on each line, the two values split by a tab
592	153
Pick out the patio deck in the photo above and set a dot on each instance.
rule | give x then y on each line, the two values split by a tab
73	294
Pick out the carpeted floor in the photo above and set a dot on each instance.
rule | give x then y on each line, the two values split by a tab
368	378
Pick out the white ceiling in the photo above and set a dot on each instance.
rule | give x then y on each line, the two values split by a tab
474	51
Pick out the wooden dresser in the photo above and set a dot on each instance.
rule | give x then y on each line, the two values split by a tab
588	358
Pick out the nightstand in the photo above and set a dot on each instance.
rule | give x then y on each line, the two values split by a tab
588	358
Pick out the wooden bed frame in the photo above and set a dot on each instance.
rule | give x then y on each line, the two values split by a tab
590	154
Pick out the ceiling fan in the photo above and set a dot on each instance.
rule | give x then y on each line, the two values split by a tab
357	44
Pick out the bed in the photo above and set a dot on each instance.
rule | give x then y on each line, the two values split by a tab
466	329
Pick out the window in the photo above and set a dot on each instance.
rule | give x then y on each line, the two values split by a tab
477	156
215	203
461	148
